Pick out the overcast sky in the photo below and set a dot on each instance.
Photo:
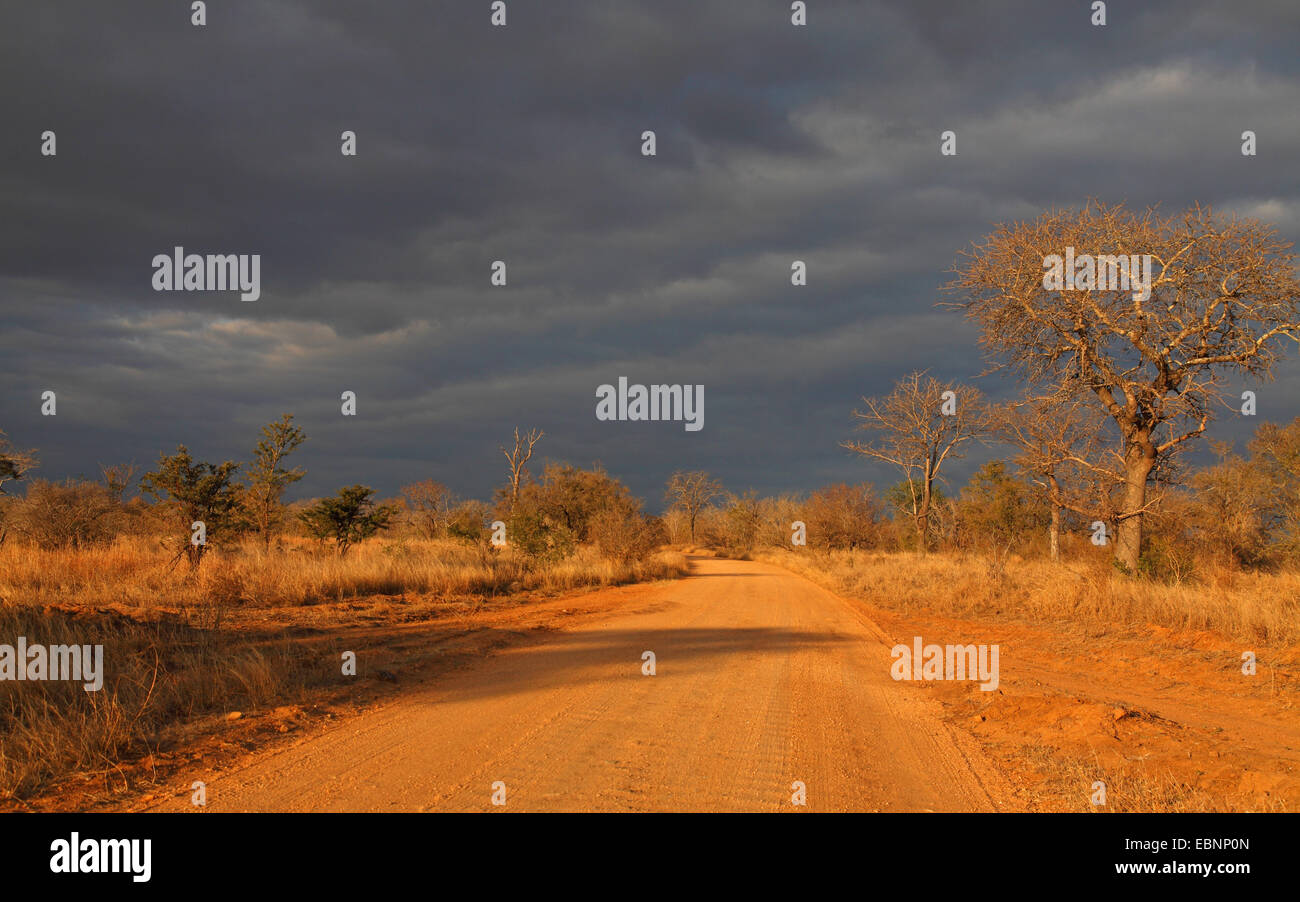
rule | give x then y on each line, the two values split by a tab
523	144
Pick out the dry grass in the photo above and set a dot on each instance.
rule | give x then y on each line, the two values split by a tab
157	674
1255	607
140	573
1129	788
175	643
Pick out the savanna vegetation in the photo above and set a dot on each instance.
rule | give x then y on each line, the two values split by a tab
180	580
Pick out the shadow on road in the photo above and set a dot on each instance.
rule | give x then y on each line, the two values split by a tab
578	658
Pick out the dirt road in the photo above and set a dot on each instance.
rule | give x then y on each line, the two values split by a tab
762	679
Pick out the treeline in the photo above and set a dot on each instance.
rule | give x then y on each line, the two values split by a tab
1241	512
198	506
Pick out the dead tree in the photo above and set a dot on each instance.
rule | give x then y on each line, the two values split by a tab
518	458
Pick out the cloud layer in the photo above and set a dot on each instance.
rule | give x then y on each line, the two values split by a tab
522	144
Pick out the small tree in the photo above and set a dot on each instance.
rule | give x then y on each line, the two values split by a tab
996	511
626	537
13	464
843	516
1062	451
570	497
742	519
349	517
921	425
1235	512
268	477
196	492
431	505
117	478
468	523
1275	450
690	492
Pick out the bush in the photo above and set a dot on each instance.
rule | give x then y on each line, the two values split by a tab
627	537
538	535
843	516
349	517
64	515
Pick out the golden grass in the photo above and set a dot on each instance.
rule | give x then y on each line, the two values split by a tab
1255	607
172	653
157	675
1130	787
140	573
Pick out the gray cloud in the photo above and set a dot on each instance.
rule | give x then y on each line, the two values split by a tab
522	144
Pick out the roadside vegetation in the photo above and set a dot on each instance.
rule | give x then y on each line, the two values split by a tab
211	595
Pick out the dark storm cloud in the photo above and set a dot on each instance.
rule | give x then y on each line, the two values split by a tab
522	144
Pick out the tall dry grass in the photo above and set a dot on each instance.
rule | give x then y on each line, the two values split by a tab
1252	606
140	572
171	654
158	675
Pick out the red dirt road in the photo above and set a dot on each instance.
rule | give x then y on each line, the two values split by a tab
763	679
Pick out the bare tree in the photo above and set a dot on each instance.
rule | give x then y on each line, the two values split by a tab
691	492
922	424
117	478
1222	294
1060	443
432	505
518	459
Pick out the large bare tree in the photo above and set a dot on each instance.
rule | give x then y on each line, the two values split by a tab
921	425
1222	295
691	492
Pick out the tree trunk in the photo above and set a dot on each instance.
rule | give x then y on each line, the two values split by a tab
1138	462
1054	531
923	512
923	522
